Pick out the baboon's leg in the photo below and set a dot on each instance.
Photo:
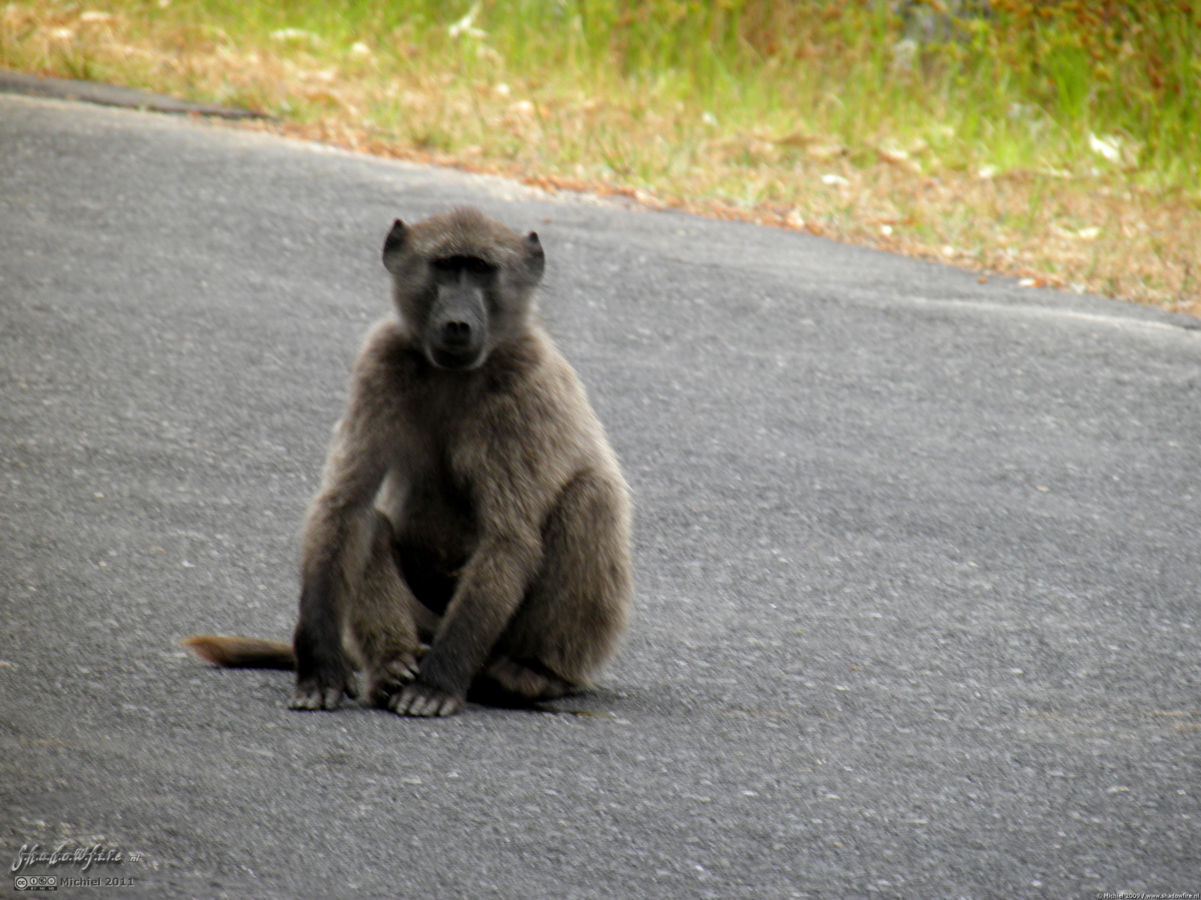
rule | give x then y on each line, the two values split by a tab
570	619
380	617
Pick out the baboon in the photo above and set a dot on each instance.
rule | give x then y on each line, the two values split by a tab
472	527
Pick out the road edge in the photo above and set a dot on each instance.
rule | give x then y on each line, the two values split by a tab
115	95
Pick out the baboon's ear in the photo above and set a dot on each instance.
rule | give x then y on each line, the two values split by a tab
535	259
394	245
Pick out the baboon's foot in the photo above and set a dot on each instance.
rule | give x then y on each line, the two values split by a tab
323	691
389	678
524	681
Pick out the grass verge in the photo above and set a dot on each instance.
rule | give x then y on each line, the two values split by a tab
1059	142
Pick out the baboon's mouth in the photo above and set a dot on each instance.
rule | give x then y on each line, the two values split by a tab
455	360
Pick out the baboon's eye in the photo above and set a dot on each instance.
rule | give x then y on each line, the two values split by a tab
473	265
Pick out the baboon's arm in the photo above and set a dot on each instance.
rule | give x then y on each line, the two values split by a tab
334	554
490	589
515	486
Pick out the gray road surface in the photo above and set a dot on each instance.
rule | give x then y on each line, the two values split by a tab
919	559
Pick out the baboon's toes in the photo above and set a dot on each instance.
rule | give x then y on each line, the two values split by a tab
422	700
316	698
390	678
403	668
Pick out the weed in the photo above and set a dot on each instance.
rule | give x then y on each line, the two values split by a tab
1057	141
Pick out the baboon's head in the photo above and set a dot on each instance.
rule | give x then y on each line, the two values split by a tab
462	284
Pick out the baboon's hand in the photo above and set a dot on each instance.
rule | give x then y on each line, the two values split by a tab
418	699
323	690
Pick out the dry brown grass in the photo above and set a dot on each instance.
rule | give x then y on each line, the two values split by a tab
1075	230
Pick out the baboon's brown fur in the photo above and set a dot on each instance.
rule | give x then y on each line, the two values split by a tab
470	499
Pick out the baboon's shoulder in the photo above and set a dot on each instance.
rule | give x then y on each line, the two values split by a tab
388	351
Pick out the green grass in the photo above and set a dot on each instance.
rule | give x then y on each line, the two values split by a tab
747	106
821	66
828	66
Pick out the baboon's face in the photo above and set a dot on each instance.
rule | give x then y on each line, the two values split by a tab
462	291
462	285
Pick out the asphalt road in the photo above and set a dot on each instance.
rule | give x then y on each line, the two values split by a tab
919	558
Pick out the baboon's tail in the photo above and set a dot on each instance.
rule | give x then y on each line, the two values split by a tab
241	652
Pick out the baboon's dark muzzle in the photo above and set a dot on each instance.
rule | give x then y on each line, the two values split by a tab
458	329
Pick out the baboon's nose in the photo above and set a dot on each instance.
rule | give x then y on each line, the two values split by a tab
456	334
